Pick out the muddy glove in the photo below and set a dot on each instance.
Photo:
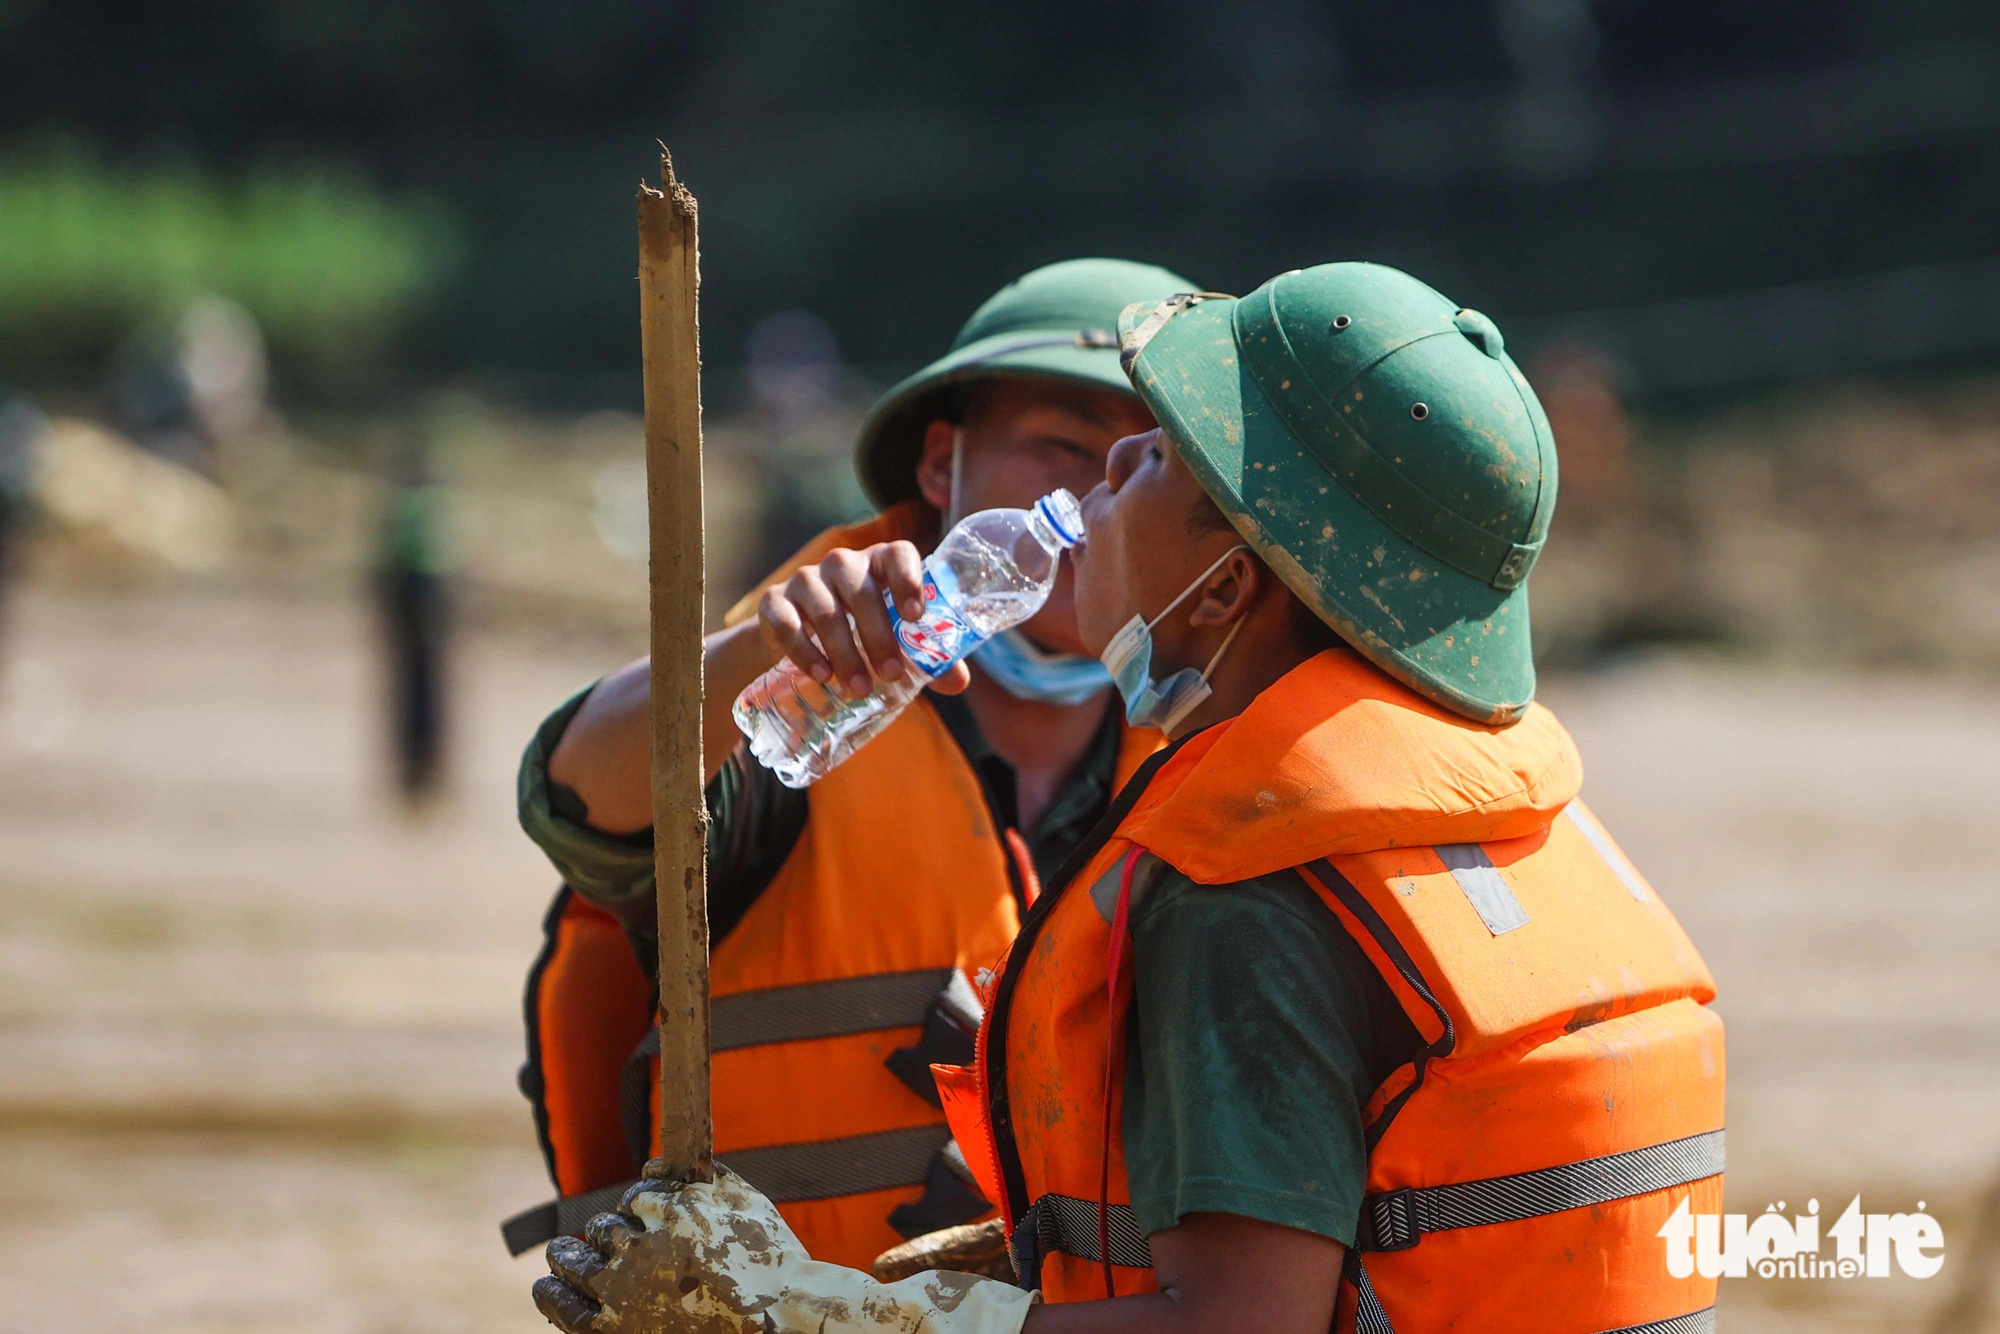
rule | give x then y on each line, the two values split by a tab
712	1259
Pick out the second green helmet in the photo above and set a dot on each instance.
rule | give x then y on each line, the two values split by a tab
1058	322
1377	447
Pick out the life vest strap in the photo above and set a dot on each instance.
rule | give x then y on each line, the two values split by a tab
1396	1220
1369	1317
1069	1224
1694	1322
950	1037
951	1197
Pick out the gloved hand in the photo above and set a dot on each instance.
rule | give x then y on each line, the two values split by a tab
710	1259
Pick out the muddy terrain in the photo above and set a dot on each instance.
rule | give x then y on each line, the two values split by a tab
260	1024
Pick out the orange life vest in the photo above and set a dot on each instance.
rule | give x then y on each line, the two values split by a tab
843	981
1570	1092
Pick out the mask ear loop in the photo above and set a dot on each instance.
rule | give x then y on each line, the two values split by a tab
1192	699
1227	640
957	467
1198	581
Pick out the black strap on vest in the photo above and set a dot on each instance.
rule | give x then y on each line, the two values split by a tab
1385	939
951	1196
1000	1114
1396	1220
950	1037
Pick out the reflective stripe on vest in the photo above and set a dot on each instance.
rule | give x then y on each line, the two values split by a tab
824	1168
1628	874
823	1009
1398	1220
786	1173
1483	885
563	1217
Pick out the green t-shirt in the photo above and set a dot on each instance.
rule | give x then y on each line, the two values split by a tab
1258	1032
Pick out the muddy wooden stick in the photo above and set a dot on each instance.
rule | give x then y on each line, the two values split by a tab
670	335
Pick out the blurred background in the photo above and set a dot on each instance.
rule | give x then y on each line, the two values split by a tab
321	483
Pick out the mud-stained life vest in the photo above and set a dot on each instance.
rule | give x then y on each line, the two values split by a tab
846	979
1568	1097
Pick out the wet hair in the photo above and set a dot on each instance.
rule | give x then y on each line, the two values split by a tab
1309	632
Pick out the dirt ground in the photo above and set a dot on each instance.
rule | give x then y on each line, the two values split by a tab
259	1026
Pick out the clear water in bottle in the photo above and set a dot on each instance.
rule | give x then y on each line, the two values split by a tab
991	572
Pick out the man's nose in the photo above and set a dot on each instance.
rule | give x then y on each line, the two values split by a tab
1124	456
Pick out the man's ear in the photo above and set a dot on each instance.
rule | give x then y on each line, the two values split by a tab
934	465
1230	592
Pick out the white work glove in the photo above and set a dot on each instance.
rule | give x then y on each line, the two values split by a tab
705	1259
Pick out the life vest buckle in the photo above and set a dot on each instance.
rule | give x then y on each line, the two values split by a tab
1024	1248
1391	1221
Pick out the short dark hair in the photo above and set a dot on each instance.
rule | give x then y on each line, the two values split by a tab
1309	632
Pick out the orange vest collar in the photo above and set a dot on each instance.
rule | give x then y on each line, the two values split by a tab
906	520
1337	759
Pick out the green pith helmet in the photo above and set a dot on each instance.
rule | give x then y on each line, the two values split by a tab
1375	445
1057	322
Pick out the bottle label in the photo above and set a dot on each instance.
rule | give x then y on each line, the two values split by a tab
938	638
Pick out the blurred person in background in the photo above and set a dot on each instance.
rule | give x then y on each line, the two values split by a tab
187	388
21	428
846	919
793	366
412	596
1349	1015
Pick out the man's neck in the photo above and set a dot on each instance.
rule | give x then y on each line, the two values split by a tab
1043	742
1254	663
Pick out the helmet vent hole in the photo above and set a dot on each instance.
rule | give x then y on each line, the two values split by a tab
1419	411
1340	323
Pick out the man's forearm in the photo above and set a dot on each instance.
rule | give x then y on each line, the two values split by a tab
1218	1274
605	754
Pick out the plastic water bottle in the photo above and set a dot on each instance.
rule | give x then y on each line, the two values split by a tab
991	572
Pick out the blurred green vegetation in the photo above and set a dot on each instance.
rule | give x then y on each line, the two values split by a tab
1577	169
331	267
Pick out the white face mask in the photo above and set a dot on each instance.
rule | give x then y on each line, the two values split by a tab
1129	656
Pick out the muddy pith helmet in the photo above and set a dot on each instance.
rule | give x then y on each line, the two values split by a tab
1058	322
1377	447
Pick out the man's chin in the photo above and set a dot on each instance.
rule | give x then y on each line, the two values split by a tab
1053	630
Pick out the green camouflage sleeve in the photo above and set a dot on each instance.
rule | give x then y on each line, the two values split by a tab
613	871
753	823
